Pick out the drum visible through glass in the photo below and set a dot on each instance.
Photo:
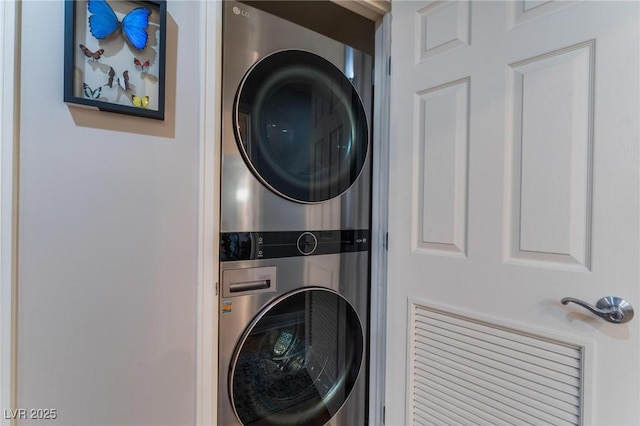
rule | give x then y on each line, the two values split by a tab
298	361
301	126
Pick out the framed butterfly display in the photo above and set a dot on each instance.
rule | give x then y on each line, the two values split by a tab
115	56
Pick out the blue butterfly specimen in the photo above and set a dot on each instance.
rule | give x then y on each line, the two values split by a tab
103	22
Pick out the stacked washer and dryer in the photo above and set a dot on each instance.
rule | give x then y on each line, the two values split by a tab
295	221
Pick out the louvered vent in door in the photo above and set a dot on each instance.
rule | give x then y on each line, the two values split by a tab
465	371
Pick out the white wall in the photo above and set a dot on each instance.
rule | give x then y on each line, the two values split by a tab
108	238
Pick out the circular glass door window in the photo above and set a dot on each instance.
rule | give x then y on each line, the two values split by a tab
298	361
301	126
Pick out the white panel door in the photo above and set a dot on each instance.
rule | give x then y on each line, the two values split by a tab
514	176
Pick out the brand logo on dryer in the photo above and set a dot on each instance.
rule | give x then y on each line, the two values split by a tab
241	12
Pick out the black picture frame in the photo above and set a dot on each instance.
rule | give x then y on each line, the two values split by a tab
111	73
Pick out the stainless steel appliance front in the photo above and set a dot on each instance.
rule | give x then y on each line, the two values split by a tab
293	339
295	129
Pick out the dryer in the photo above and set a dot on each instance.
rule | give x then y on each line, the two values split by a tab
295	127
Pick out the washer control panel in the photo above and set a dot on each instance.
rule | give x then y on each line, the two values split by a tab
307	243
271	245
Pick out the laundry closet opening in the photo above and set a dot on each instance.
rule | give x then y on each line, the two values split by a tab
295	215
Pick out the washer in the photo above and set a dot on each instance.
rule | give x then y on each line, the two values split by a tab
293	328
295	127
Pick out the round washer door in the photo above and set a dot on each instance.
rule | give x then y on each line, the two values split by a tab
298	360
301	126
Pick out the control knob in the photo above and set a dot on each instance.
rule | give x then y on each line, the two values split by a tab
307	243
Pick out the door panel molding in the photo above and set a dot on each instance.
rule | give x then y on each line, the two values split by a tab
442	27
441	121
550	103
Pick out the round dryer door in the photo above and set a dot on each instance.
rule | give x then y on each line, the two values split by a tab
301	126
298	361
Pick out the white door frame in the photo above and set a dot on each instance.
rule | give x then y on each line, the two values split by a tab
379	224
9	125
209	213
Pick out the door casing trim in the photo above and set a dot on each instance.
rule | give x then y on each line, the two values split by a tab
9	136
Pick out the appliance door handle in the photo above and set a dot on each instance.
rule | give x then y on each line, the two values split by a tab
611	308
249	286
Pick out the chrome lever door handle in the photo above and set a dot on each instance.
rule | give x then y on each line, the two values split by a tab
611	308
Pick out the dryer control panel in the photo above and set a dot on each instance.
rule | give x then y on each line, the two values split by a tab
271	245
